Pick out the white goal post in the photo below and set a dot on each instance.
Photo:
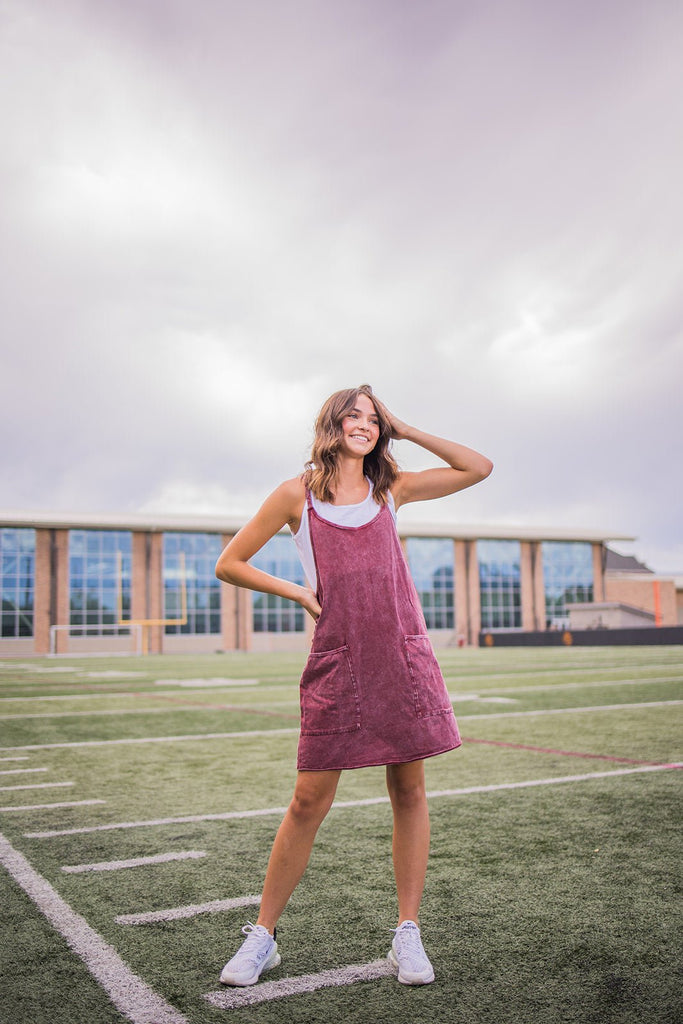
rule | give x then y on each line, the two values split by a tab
134	630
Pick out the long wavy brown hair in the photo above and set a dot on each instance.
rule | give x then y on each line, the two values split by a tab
379	464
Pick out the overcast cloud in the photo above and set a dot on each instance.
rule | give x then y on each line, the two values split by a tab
214	213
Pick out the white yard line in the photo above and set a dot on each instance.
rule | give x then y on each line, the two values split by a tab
49	807
265	688
128	992
551	687
116	694
569	670
134	862
171	709
21	771
24	758
199	737
367	802
190	910
572	711
35	785
232	999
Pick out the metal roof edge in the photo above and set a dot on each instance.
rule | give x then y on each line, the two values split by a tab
153	523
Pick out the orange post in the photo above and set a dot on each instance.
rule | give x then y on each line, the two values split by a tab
658	602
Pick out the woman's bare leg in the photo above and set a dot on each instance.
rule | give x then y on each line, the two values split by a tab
313	796
406	786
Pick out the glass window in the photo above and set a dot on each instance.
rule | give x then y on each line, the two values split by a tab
567	577
272	614
192	557
100	568
17	575
431	565
500	584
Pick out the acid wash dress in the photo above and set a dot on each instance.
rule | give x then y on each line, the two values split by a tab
372	692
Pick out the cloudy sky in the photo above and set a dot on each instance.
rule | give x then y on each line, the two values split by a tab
213	214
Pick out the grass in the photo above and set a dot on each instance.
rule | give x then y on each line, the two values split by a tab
552	903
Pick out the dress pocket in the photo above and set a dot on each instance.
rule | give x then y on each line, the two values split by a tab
429	690
329	695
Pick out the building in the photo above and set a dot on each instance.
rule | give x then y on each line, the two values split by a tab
81	584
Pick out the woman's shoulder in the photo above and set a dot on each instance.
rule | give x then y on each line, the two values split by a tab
294	488
290	497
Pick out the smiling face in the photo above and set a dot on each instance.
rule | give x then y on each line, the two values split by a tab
360	428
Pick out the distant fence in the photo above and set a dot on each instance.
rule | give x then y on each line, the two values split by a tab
585	637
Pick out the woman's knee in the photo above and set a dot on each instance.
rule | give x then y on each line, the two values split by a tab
312	798
406	785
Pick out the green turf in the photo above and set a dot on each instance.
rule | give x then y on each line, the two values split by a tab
554	903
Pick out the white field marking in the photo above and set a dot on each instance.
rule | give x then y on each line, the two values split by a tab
117	694
35	785
25	666
113	674
564	686
48	807
290	703
367	802
572	711
199	737
128	992
191	910
464	697
21	771
553	670
169	710
209	683
232	999
24	758
247	734
134	862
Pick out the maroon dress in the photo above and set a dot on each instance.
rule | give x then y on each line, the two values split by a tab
372	692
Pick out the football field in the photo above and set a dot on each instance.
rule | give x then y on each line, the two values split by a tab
139	798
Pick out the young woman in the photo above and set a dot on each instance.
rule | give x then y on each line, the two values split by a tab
371	692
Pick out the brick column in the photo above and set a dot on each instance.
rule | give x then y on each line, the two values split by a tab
138	589
59	590
539	584
529	610
474	598
229	612
598	573
41	593
154	595
462	605
243	618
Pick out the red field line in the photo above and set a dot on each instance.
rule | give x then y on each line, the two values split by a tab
564	753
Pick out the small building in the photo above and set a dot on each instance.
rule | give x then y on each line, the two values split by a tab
87	583
633	584
608	615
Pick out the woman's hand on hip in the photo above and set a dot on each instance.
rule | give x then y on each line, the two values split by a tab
309	601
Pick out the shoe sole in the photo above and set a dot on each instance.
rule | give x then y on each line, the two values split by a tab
274	960
415	979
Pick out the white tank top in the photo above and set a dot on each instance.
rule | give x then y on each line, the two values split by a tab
341	515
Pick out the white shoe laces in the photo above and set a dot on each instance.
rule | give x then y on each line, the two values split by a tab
254	948
409	947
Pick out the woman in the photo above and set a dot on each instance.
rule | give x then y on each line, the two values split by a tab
371	692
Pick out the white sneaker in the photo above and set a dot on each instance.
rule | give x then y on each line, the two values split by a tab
407	953
258	953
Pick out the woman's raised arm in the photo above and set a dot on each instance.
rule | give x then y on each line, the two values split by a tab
465	466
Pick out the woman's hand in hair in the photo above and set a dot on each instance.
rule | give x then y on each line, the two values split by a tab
399	429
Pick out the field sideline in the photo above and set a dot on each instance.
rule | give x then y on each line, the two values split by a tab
139	798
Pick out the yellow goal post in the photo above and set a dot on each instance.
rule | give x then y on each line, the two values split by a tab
146	624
